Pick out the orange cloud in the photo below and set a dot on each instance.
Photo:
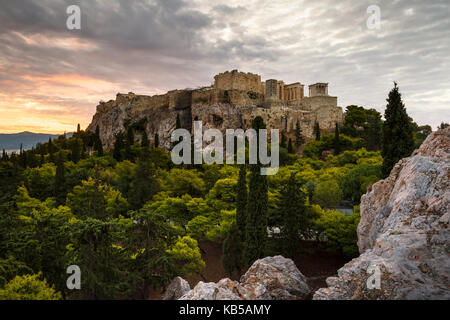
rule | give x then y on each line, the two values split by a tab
51	104
67	43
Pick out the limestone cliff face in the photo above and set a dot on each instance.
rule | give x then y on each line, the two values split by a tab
216	108
404	230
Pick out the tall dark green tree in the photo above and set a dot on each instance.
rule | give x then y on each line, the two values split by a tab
144	141
76	150
294	216
283	141
5	156
241	201
256	226
156	143
41	160
78	128
60	181
336	141
373	130
51	150
22	157
232	251
290	148
317	131
98	145
299	139
144	185
105	269
153	265
398	141
355	118
130	136
118	146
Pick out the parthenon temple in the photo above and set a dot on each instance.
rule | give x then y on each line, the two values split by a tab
276	90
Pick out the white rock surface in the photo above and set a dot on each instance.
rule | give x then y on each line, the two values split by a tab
176	289
271	278
404	231
274	278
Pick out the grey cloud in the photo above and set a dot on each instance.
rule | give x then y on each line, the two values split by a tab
153	46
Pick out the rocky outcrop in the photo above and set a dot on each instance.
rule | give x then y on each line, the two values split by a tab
225	289
404	232
177	288
274	278
271	278
216	108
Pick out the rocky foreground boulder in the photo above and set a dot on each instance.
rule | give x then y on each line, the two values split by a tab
177	288
271	278
404	231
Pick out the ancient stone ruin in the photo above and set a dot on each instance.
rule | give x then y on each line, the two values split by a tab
231	103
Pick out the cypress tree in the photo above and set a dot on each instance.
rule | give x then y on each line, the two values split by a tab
50	146
337	141
294	215
130	136
256	226
98	146
78	128
317	131
60	181
76	150
232	251
241	202
299	140
283	141
397	140
144	142
41	160
4	156
290	148
144	184
83	150
22	157
156	140
63	141
118	146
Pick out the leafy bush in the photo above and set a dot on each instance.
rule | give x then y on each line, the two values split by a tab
187	253
327	194
339	231
28	287
355	182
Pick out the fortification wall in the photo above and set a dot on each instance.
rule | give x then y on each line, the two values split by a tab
236	80
314	103
327	117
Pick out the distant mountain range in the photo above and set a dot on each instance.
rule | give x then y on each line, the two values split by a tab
12	141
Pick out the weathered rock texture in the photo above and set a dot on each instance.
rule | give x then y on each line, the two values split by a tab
232	103
404	230
271	278
177	288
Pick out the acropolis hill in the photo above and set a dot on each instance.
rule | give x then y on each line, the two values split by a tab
231	102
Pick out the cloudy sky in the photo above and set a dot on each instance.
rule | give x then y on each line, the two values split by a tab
51	78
